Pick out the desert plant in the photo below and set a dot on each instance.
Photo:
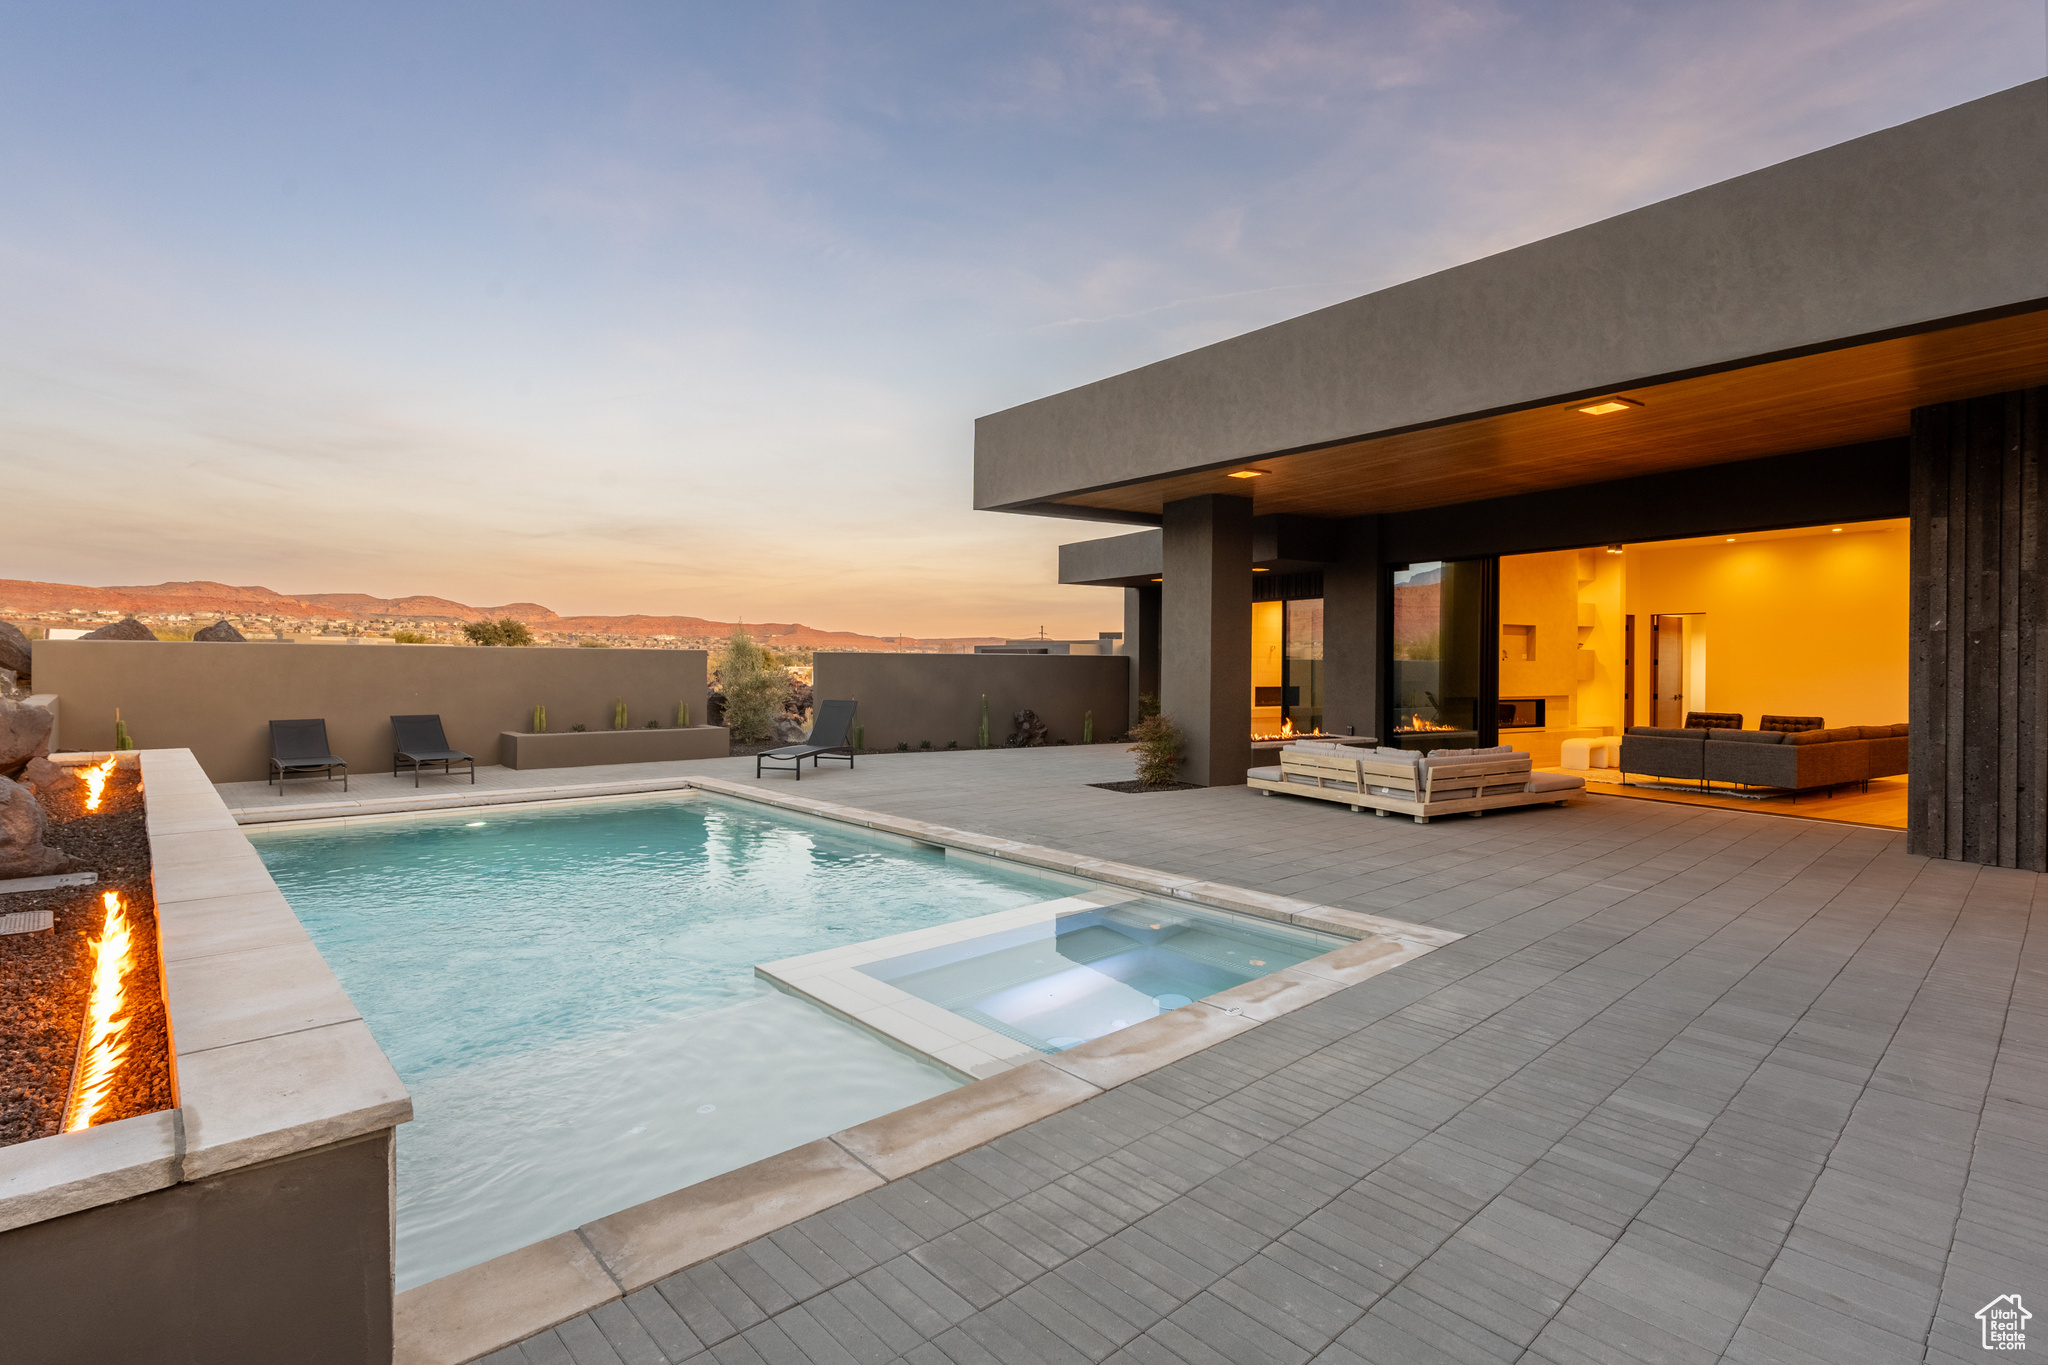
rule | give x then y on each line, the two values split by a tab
504	631
981	735
1087	727
122	739
171	632
592	644
682	715
1148	705
754	685
540	719
860	737
1159	746
924	744
654	725
618	713
952	744
408	637
577	728
902	746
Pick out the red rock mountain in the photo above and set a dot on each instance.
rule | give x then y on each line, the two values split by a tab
25	598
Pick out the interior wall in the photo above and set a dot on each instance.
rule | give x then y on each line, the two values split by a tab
1813	624
1540	592
1268	647
1596	698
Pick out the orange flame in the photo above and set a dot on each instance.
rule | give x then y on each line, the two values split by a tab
103	1044
1418	724
95	779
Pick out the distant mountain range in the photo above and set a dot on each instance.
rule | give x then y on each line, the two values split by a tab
26	600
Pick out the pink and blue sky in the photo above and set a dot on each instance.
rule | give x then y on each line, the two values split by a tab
689	308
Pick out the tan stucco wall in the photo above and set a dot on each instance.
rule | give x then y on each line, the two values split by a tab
217	699
914	697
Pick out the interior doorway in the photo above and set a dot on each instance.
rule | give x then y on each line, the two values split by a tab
1678	666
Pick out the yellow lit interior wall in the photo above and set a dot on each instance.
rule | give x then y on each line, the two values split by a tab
1597	700
1268	644
1813	624
1540	592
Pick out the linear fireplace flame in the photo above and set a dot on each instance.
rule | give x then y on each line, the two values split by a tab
95	779
1418	725
1287	731
103	1043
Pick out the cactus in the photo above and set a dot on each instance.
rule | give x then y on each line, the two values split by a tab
981	735
540	719
1087	727
618	713
122	740
860	738
682	715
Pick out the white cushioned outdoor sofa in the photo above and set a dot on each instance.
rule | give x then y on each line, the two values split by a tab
1407	782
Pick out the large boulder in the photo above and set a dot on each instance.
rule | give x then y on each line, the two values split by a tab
14	650
128	628
24	734
220	632
45	778
22	824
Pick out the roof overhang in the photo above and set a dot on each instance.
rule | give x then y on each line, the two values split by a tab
1811	304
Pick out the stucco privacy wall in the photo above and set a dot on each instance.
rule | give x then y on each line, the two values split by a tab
909	698
217	699
1852	241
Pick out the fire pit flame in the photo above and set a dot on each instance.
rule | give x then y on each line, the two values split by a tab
95	779
102	1045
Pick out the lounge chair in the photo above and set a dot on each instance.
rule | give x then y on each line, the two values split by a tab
301	746
826	740
417	742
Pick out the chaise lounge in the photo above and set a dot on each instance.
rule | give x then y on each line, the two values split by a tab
826	740
1407	782
419	742
300	746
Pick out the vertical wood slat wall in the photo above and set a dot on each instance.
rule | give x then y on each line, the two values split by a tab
1979	747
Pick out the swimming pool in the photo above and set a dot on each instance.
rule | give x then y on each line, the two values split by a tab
568	992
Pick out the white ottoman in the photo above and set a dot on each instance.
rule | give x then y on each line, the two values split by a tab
1601	751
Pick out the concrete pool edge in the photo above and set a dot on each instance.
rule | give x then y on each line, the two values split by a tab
464	1316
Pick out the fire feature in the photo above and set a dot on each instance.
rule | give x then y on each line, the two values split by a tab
1417	725
95	779
1287	731
102	1044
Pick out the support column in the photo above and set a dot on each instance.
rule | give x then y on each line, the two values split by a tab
1141	642
1354	623
1205	657
1978	750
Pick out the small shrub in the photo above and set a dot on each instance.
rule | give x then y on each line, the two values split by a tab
902	746
952	744
578	728
409	637
1160	746
654	725
754	685
1148	706
924	744
504	631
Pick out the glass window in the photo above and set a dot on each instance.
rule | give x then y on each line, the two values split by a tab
1304	664
1439	675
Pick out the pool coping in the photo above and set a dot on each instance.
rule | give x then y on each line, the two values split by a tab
469	1314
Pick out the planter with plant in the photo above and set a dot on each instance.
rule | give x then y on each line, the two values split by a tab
1160	746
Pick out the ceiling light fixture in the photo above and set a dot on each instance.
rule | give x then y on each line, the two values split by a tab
1248	473
1159	580
1257	569
1614	549
1837	531
1731	540
1602	407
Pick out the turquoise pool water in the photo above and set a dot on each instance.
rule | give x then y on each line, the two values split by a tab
568	992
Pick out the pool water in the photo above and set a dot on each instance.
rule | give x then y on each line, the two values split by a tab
1091	972
568	993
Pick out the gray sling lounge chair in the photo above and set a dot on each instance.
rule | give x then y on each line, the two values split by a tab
826	740
300	746
418	742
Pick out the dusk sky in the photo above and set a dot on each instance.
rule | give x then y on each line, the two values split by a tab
689	308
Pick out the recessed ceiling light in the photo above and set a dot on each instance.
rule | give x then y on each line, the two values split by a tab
1837	531
1731	540
1159	580
1248	473
1257	569
1614	549
1604	406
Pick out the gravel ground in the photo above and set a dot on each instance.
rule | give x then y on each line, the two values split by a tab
44	978
1139	788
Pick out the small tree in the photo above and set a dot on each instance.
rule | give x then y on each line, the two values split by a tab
1159	746
504	631
754	686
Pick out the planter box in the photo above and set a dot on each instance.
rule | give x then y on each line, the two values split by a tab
593	748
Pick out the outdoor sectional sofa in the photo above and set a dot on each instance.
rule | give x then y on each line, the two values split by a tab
1796	761
1404	782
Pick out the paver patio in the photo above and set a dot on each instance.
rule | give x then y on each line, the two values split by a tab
1698	1085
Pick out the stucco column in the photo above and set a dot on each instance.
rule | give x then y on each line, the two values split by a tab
1141	642
1205	634
1354	621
